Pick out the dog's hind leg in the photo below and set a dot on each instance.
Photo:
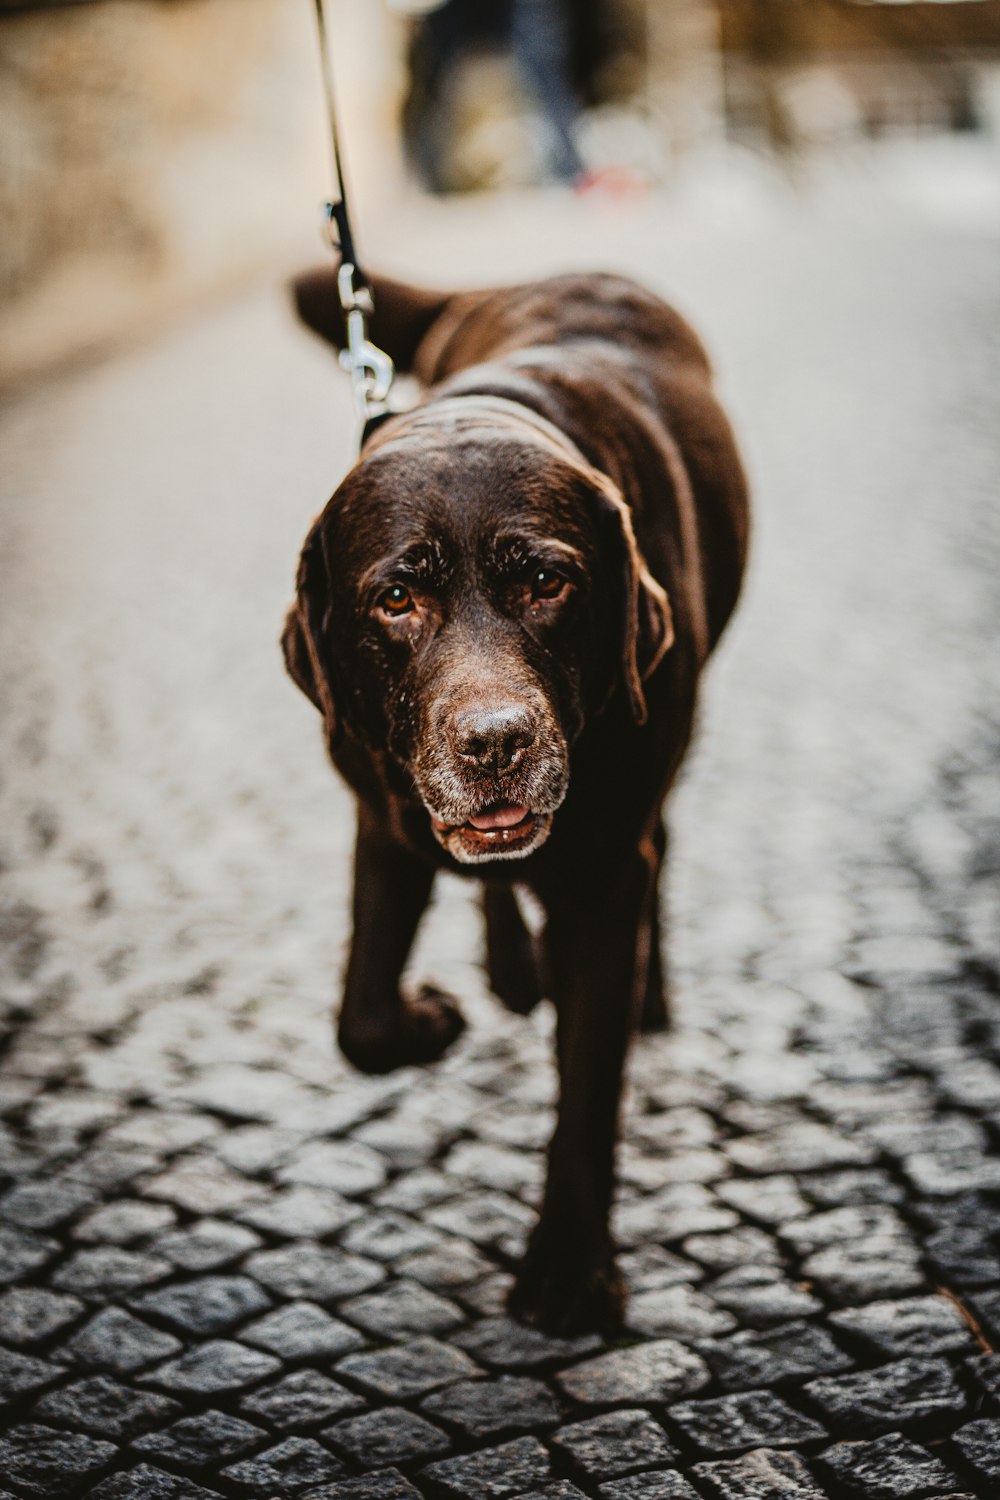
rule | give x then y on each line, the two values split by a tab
655	1013
510	951
379	1028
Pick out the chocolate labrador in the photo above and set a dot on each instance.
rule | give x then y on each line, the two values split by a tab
502	615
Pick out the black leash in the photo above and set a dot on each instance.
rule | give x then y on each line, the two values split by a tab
370	368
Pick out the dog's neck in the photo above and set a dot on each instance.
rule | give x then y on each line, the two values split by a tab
466	411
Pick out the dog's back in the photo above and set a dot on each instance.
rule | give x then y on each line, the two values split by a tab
616	369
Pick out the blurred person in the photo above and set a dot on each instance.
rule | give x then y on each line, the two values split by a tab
540	46
537	36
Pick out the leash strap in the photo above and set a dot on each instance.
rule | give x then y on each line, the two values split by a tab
370	368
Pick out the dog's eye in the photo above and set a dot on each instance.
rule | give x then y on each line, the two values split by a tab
396	601
547	584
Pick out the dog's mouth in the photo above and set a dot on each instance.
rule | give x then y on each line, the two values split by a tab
505	830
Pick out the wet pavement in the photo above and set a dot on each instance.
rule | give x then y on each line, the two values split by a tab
231	1267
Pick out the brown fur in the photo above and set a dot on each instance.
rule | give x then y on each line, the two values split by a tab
561	523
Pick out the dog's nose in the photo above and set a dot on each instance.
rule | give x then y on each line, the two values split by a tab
493	738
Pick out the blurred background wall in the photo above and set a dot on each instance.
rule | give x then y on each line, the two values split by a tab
798	71
156	152
153	152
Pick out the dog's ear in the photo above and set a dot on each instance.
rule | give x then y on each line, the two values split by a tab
647	627
303	639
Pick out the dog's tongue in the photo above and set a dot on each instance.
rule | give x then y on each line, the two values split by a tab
498	817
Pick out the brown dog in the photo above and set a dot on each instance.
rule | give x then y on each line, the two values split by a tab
502	615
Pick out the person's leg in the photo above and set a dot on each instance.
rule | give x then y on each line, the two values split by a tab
540	46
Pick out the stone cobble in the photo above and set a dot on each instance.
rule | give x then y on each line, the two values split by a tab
229	1267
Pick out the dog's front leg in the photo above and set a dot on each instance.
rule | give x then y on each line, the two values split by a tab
379	1028
596	939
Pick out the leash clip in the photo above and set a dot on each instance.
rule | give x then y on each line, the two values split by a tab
370	368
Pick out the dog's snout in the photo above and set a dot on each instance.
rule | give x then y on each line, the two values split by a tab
494	738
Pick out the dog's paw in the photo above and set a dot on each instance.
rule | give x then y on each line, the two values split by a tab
433	1023
423	1028
563	1293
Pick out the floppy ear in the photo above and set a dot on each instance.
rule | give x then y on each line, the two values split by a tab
303	638
647	627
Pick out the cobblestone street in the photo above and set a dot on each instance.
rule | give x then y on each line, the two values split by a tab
230	1266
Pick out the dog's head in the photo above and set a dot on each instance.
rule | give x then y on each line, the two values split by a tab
470	595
